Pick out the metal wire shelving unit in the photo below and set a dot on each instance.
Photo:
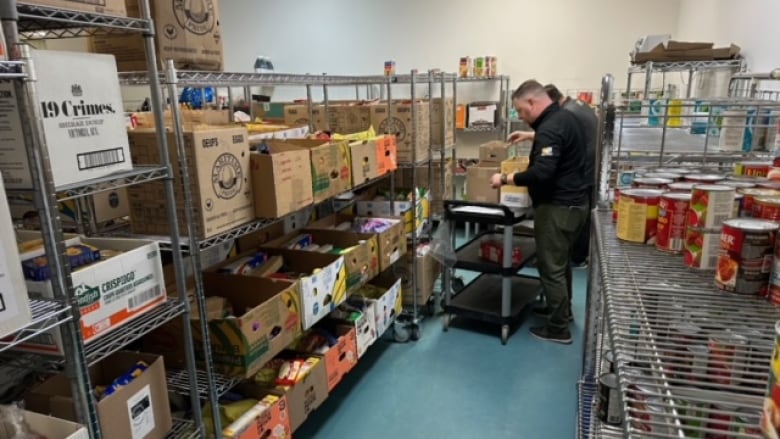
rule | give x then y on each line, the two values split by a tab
690	67
23	21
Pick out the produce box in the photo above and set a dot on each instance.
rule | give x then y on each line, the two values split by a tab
365	164
219	167
449	122
357	316
384	295
52	428
188	33
386	154
330	166
383	208
138	409
15	314
279	132
391	241
107	7
298	114
340	354
269	418
401	126
110	292
281	179
82	119
348	118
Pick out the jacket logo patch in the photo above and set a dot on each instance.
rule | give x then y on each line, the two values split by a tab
547	151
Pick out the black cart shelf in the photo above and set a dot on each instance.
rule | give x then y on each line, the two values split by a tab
500	293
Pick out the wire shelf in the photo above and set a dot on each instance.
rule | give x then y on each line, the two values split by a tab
182	429
179	383
718	368
46	315
134	330
11	70
482	79
137	175
479	129
684	66
413	165
44	22
188	78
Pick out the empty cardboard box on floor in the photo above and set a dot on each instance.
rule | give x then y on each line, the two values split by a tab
137	410
218	159
478	187
281	179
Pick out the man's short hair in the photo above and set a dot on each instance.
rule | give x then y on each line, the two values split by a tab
528	88
553	92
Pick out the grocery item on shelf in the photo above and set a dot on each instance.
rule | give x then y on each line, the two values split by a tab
82	120
710	206
482	114
281	178
464	67
651	183
15	313
219	162
745	261
365	162
704	178
137	409
493	250
338	346
122	380
767	208
79	255
268	418
752	169
770	416
479	67
769	184
637	219
410	135
229	412
376	203
496	151
383	293
389	68
674	176
189	33
609	409
681	186
672	211
245	265
749	197
701	248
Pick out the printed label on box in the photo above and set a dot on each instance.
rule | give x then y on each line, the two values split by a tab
139	407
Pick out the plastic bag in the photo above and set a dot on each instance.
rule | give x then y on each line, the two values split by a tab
441	246
13	425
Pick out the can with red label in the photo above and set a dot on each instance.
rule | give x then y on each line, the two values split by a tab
746	254
725	363
651	183
753	169
682	186
701	248
750	195
710	206
638	215
672	209
767	208
704	178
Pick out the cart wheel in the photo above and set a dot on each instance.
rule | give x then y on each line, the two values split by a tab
400	333
457	284
504	334
447	320
415	332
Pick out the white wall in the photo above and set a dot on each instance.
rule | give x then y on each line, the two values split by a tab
569	42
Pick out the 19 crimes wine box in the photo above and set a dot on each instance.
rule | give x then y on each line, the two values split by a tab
80	102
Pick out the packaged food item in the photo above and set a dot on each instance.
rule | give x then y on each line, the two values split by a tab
479	67
637	219
37	268
710	206
746	252
672	208
245	265
299	242
389	68
123	380
493	251
464	67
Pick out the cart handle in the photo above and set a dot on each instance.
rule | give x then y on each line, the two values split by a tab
510	217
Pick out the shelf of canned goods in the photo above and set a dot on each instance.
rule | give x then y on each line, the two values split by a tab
690	360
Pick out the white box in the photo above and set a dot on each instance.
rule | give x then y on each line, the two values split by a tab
384	306
83	120
53	428
110	292
328	284
482	115
14	303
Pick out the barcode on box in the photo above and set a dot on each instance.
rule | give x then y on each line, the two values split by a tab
140	299
719	219
12	180
99	159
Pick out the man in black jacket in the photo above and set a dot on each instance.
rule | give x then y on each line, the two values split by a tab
556	181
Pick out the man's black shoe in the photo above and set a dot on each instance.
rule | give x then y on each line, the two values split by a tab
544	312
544	333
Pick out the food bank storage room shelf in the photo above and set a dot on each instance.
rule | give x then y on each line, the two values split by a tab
658	312
46	315
182	429
44	22
137	175
179	382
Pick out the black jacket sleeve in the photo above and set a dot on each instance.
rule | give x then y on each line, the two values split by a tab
545	155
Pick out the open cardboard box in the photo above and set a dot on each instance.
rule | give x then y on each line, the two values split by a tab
269	418
340	358
384	294
368	206
281	179
50	427
364	323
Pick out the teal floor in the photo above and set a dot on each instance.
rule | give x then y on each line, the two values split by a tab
462	384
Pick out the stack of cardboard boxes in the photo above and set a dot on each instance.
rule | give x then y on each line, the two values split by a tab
497	157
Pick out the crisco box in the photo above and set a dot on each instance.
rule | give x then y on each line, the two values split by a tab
391	242
281	179
50	427
270	321
361	261
219	168
108	7
342	357
137	410
330	166
269	418
511	195
188	33
15	313
307	394
110	293
384	295
322	281
365	164
386	154
363	322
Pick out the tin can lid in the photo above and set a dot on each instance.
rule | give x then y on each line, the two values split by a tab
665	175
683	196
644	193
769	184
755	163
609	380
652	180
751	224
704	177
758	191
678	171
773	201
713	188
737	184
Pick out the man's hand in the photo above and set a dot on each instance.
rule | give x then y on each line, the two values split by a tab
520	136
495	181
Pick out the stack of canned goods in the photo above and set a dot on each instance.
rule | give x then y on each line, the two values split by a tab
710	206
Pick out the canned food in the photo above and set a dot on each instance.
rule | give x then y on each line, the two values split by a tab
651	183
745	179
638	215
389	68
682	186
721	418
770	416
726	350
488	67
464	67
704	178
701	248
769	185
479	67
674	176
737	184
746	252
739	199
710	206
493	62
678	171
767	208
641	392
751	195
672	209
692	413
774	295
752	169
609	408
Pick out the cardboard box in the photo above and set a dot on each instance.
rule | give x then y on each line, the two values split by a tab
510	195
363	322
189	118
189	33
258	238
428	270
349	118
15	312
365	165
403	178
386	154
107	206
341	357
281	179
330	166
449	122
83	122
269	418
322	282
107	7
50	427
110	293
496	151
137	410
298	114
280	132
401	125
219	170
481	114
361	256
478	183
384	295
391	242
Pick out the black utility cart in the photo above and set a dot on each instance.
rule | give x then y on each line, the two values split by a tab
500	293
